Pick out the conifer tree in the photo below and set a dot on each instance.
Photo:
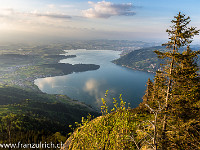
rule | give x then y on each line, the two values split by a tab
9	121
148	96
149	91
186	88
177	70
160	82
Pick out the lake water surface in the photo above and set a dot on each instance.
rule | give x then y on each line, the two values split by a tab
90	86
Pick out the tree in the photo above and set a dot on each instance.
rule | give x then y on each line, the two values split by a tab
148	96
149	91
186	88
177	70
9	122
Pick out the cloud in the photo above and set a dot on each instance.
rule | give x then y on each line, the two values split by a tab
45	83
51	6
96	89
34	25
92	87
52	15
8	12
105	9
66	6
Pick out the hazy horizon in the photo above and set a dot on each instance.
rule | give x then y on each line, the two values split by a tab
60	20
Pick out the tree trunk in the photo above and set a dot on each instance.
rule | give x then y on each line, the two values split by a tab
164	130
155	131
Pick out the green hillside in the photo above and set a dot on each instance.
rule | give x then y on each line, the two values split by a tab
144	59
37	116
126	128
114	130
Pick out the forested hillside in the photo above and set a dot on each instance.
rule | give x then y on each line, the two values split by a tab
36	117
144	59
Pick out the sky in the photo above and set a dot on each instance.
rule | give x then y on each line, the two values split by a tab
57	20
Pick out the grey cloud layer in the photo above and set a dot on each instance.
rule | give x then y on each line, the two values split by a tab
105	9
102	9
58	16
12	13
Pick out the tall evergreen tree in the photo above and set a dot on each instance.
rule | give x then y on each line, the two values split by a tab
148	96
186	88
179	69
149	91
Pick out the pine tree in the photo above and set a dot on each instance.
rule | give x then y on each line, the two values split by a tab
149	91
186	88
160	83
148	96
178	70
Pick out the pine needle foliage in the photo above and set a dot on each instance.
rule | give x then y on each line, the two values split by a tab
177	87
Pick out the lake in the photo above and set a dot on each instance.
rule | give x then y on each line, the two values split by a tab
90	86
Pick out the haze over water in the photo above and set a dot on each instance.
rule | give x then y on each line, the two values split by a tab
90	86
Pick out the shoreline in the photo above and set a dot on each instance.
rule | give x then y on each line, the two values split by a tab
137	69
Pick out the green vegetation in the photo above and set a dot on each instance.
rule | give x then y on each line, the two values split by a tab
69	68
144	59
112	131
34	117
26	114
23	67
169	116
